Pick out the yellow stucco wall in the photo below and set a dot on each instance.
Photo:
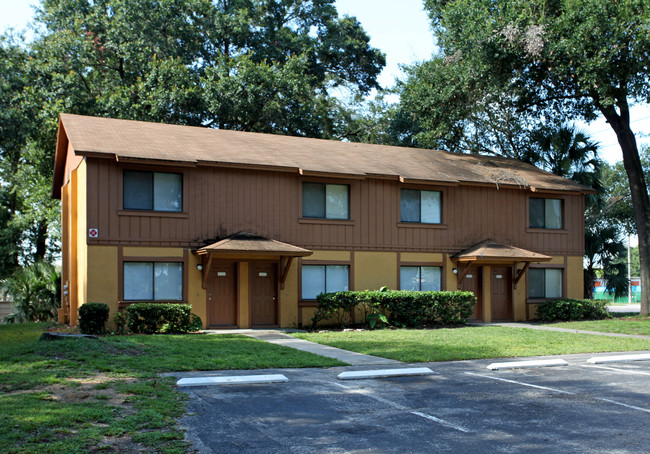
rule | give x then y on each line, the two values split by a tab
152	252
196	295
244	298
519	300
420	257
329	255
79	218
575	277
451	279
289	298
103	276
373	270
487	294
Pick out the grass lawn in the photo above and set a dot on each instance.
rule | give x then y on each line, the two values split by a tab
470	343
625	324
86	395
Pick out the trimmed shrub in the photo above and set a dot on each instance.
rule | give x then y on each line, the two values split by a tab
396	307
196	324
150	318
93	317
567	309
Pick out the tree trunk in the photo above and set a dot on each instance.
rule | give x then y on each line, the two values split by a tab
639	192
41	240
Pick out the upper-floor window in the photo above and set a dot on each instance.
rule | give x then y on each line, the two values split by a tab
545	213
153	191
421	206
325	201
544	283
420	278
153	281
317	279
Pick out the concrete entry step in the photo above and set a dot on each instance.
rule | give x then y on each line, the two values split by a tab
232	380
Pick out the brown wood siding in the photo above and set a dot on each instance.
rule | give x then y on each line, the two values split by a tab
222	201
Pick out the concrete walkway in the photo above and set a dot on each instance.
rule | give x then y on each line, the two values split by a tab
279	337
562	330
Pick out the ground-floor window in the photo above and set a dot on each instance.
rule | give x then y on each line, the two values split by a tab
545	283
318	279
420	278
153	281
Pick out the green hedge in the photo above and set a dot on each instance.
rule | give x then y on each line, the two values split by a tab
567	309
396	307
150	318
93	317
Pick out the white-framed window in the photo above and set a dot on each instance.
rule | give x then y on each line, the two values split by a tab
545	283
153	281
420	278
545	213
152	191
317	279
325	201
421	206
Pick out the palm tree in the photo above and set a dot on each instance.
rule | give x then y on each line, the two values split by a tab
570	153
34	291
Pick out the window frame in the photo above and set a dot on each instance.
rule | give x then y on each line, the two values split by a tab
544	228
183	260
325	218
421	265
325	264
122	211
439	190
539	299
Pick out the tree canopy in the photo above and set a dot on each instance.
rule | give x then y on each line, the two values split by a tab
546	62
253	65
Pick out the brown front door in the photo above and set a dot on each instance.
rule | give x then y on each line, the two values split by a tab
222	295
472	283
501	285
264	294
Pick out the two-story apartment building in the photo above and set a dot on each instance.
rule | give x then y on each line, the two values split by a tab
248	228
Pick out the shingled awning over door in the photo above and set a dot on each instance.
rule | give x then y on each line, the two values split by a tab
249	246
492	252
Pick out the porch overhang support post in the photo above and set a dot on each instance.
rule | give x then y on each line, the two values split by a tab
521	273
463	273
285	270
206	270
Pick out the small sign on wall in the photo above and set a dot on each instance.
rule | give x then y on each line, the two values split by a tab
93	233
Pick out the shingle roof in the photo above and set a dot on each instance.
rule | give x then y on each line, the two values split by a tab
489	250
245	242
137	140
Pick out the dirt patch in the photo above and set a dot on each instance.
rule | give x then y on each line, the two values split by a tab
91	390
118	444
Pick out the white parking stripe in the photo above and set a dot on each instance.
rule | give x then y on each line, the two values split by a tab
645	410
440	421
368	393
623	405
614	369
520	383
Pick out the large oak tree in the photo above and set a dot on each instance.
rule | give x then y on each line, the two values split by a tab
255	65
553	61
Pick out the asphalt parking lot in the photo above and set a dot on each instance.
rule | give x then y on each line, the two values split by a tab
463	407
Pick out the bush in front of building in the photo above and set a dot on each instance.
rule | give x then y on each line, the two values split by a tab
93	318
151	318
400	308
567	309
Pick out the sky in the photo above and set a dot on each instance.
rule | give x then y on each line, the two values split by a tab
401	30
